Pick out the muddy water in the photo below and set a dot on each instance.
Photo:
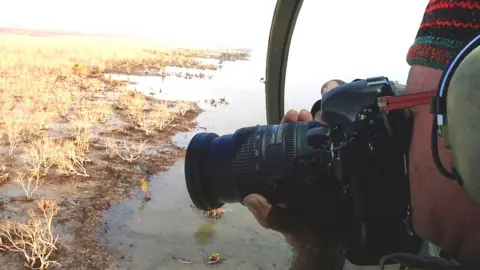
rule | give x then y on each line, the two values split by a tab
166	233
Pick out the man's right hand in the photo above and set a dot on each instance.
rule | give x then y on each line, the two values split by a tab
259	205
315	250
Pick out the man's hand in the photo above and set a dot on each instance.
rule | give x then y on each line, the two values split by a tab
315	250
257	204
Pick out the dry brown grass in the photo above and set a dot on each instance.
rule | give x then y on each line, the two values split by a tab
47	86
34	238
183	107
3	175
126	151
45	81
55	108
156	119
143	117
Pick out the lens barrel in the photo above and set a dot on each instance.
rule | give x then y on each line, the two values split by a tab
259	159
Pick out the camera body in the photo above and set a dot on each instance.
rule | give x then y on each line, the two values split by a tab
348	174
368	156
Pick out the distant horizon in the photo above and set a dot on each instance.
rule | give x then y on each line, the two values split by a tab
207	23
346	39
52	32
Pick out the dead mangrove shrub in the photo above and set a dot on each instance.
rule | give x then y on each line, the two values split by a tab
39	159
183	107
23	121
80	131
81	70
112	83
3	177
82	140
126	151
34	238
156	119
140	116
63	103
39	122
85	117
71	159
3	174
68	156
29	183
43	150
93	113
16	129
131	101
102	112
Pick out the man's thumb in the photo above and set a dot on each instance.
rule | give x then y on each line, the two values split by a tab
259	206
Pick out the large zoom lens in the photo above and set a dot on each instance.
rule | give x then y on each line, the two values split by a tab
260	159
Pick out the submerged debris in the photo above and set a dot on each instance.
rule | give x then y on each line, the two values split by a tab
205	233
215	102
144	187
185	261
215	213
214	258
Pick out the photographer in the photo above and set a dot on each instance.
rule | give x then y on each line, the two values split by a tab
330	85
443	212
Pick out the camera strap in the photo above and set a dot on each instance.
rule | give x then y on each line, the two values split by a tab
405	101
412	261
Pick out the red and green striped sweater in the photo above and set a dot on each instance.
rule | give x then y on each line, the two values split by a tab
446	27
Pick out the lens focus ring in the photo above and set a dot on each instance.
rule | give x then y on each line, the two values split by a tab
245	165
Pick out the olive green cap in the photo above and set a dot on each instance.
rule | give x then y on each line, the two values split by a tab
462	132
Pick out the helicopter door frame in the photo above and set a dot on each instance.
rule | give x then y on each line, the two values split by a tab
281	32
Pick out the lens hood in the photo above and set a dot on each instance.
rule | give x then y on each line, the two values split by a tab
194	160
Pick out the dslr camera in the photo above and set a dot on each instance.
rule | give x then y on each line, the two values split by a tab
347	174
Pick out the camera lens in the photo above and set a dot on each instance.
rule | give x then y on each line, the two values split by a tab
259	159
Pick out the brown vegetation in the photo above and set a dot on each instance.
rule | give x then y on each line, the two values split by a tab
74	142
34	238
155	62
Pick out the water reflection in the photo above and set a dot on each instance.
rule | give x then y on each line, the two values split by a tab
169	228
205	232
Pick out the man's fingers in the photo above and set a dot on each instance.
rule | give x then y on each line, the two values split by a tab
305	115
290	117
294	116
292	240
259	206
256	203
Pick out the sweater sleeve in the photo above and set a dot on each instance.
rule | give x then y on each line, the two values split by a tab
446	27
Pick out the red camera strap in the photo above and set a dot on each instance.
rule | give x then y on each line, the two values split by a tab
405	101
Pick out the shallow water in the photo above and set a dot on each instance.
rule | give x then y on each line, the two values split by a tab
165	229
161	233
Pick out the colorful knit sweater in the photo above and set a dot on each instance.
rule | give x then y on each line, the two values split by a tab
446	27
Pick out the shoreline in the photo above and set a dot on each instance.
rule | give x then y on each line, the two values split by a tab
124	183
76	143
111	181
